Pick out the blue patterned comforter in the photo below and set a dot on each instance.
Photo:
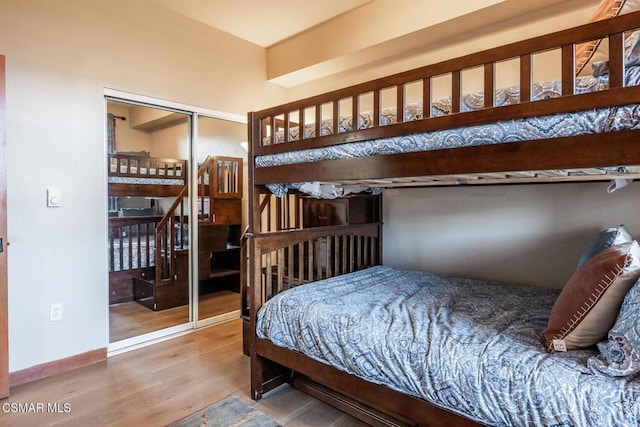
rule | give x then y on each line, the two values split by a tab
471	346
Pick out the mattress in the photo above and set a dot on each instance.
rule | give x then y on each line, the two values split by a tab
551	126
474	347
145	181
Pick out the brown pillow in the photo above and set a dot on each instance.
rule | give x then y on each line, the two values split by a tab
598	50
589	303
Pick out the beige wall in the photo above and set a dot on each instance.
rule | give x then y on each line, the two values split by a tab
433	44
61	55
128	138
521	234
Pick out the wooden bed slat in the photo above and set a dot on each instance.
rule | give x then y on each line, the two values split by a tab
400	103
489	82
318	119
355	108
456	91
336	117
616	64
376	108
568	70
426	98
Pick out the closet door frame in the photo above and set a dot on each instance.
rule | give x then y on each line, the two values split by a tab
4	306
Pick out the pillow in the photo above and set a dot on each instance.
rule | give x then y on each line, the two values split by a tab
598	50
588	304
620	353
604	239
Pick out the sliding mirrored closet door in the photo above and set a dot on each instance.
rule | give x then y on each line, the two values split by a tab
148	219
221	159
175	213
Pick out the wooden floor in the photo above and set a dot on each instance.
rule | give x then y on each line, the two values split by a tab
162	383
130	319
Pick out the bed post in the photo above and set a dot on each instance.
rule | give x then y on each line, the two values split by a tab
253	274
256	361
265	375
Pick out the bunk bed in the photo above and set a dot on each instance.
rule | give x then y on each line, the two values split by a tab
139	174
323	313
147	247
132	231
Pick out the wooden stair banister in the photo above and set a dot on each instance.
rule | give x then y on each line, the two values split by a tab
217	178
165	240
166	234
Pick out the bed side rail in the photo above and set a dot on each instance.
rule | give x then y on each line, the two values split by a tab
286	259
330	115
131	242
281	260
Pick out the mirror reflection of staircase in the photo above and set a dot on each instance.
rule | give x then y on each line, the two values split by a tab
148	241
219	222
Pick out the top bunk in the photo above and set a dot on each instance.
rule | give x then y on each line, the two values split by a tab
139	174
435	126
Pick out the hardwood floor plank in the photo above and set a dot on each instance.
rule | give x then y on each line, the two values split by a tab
160	384
130	319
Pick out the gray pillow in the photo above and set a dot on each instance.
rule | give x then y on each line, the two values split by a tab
620	353
603	240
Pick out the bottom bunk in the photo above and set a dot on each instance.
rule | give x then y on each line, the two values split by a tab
405	347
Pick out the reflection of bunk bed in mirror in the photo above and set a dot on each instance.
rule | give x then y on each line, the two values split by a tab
371	136
148	247
139	174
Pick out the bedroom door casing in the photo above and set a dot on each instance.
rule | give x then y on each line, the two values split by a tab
4	306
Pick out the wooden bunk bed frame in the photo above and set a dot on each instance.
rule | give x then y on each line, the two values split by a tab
273	255
150	251
140	167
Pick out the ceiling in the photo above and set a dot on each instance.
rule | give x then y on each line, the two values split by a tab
357	40
261	22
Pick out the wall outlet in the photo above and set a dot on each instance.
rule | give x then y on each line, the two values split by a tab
55	312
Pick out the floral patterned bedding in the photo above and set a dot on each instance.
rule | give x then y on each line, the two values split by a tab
473	347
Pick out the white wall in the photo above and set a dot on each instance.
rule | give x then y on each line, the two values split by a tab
521	234
126	137
60	56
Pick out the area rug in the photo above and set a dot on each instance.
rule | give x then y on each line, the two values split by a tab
229	412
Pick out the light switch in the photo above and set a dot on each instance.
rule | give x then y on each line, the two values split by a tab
54	198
